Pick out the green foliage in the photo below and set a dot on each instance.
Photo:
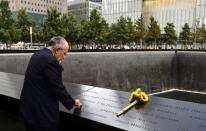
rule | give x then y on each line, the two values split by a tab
141	30
170	36
52	25
130	31
70	26
185	35
15	34
120	29
104	32
112	36
6	23
38	35
153	34
97	28
24	22
6	20
84	32
200	34
4	35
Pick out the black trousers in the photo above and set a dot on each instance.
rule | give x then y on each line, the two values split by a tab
29	127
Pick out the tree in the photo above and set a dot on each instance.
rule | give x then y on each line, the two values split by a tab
4	35
52	24
97	27
112	36
170	36
6	20
200	34
130	31
15	34
154	31
38	35
84	32
24	22
140	30
185	34
70	24
120	29
6	23
104	32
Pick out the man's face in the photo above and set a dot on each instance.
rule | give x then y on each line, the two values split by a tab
60	53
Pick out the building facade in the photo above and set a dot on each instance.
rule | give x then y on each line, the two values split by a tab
81	9
112	10
99	1
37	8
178	12
200	12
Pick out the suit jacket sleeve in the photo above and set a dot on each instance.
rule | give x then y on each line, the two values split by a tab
54	77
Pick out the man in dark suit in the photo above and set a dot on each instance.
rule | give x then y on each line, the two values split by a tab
43	88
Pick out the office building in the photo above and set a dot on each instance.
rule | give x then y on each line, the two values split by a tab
99	1
37	8
81	9
113	9
178	12
200	12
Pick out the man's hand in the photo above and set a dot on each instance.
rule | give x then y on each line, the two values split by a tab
77	104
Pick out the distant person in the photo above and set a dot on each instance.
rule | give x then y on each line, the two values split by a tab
43	88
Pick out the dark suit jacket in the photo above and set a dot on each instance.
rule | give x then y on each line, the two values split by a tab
42	90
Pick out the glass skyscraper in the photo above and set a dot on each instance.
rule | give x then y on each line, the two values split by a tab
81	9
178	12
99	1
200	12
113	9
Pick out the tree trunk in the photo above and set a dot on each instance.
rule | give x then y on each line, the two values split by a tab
7	46
141	44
